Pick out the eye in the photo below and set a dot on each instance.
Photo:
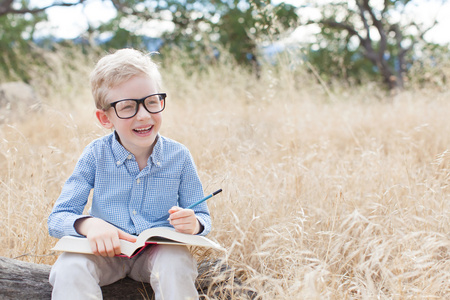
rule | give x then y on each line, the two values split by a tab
126	105
153	101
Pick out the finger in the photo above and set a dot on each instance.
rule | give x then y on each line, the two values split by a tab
174	209
109	248
126	236
185	228
116	247
182	213
112	247
188	219
183	220
186	225
182	228
101	250
94	247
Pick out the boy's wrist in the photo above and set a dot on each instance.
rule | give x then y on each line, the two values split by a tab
200	227
82	225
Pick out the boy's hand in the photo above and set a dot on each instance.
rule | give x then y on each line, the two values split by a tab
103	237
184	220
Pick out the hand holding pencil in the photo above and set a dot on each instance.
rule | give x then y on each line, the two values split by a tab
184	220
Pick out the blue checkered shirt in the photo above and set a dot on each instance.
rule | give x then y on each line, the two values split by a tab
130	199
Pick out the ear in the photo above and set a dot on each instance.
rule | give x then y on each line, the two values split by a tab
104	119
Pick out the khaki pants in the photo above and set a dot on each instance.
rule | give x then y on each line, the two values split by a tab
170	270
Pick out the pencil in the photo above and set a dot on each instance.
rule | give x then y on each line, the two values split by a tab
204	199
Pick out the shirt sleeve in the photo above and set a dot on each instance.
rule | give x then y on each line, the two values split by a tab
191	190
73	198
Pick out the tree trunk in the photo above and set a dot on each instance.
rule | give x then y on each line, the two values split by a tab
22	280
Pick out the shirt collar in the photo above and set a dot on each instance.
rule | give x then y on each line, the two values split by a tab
121	154
119	151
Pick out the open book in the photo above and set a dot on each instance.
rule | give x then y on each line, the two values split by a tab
158	235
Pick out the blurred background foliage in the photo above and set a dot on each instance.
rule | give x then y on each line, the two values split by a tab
345	48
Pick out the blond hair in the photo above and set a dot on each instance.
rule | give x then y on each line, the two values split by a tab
118	67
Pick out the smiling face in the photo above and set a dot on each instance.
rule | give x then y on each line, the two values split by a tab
137	134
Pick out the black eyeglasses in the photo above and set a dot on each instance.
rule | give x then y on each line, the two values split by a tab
128	108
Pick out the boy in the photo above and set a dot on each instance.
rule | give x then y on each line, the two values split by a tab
138	178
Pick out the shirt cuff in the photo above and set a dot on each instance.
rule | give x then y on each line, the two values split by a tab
206	224
69	225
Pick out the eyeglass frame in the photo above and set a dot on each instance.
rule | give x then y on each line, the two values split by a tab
139	101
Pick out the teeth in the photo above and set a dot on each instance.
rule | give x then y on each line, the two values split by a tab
143	129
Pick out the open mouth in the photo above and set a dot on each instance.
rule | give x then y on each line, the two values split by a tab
143	130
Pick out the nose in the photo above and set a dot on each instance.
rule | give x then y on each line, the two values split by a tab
142	113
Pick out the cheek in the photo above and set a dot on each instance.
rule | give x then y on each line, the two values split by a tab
122	124
158	119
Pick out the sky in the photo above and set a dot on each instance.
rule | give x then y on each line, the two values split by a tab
69	22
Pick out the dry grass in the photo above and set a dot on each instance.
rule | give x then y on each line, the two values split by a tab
341	198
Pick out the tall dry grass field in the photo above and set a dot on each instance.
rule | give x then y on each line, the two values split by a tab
341	196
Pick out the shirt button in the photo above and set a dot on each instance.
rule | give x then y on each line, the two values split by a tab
158	163
129	156
138	181
118	163
134	212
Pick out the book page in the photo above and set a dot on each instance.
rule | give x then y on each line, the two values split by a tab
160	235
73	244
127	248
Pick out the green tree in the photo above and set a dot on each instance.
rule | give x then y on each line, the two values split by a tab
199	26
21	7
243	28
17	26
370	37
16	31
202	25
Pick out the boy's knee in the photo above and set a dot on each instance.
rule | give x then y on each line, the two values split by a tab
174	272
177	258
74	276
70	266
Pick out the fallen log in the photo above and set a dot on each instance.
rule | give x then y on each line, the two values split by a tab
20	280
23	280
